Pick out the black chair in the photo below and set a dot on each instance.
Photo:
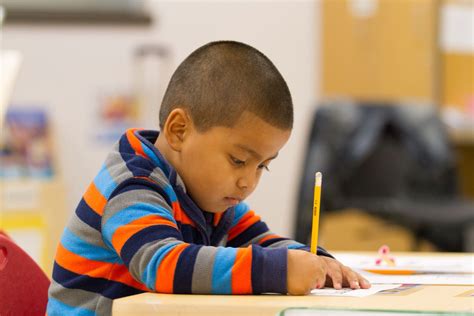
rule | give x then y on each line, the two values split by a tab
392	161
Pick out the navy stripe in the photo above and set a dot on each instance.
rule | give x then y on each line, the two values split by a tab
248	234
140	184
321	252
138	165
107	288
271	241
146	235
88	216
183	275
190	234
257	269
125	147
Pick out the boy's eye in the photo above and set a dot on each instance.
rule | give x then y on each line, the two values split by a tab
237	162
263	167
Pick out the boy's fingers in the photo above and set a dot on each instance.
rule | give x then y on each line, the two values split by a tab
351	278
335	273
364	283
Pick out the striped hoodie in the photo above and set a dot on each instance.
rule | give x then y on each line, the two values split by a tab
136	230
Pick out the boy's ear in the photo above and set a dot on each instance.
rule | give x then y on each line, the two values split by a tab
177	126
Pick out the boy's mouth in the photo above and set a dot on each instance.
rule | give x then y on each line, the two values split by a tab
232	200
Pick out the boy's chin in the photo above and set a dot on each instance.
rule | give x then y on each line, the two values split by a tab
217	209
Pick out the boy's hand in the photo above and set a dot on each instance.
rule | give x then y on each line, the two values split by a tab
306	271
339	276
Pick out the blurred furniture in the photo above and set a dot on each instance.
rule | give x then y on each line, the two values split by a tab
33	212
32	209
23	285
392	161
392	51
363	231
380	50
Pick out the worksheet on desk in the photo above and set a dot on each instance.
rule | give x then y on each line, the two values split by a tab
375	288
424	278
435	264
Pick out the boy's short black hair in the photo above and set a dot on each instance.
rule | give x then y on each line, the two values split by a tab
221	80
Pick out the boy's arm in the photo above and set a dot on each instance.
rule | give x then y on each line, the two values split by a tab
138	224
247	229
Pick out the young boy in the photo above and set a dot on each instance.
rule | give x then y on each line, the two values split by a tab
166	212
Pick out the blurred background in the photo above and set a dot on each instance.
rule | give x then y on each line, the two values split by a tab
384	107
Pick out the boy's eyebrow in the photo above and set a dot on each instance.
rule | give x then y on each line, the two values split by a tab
254	153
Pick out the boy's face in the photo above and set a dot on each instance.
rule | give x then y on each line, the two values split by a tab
222	166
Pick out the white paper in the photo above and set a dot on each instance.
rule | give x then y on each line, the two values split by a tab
431	279
354	293
435	264
457	28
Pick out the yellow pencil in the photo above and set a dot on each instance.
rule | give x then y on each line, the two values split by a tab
316	207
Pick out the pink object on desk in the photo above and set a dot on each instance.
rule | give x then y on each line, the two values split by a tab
384	257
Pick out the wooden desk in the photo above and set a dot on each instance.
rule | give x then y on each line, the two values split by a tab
420	298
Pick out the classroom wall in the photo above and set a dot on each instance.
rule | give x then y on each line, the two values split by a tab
66	66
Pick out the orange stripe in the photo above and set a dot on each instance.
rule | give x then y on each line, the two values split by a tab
123	233
217	218
261	241
95	199
96	269
242	272
245	222
165	273
180	215
135	142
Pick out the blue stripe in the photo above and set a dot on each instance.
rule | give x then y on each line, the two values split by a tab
239	211
130	214
297	246
104	182
144	236
59	308
222	270
170	192
149	275
75	244
152	156
88	216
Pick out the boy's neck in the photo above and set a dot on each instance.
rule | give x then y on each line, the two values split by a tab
162	145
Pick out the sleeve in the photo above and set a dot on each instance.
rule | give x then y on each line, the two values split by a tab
248	229
138	224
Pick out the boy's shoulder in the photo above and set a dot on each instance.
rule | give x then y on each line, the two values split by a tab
132	161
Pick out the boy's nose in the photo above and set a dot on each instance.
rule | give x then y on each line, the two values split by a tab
246	183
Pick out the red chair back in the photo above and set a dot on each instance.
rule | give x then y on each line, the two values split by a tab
23	285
